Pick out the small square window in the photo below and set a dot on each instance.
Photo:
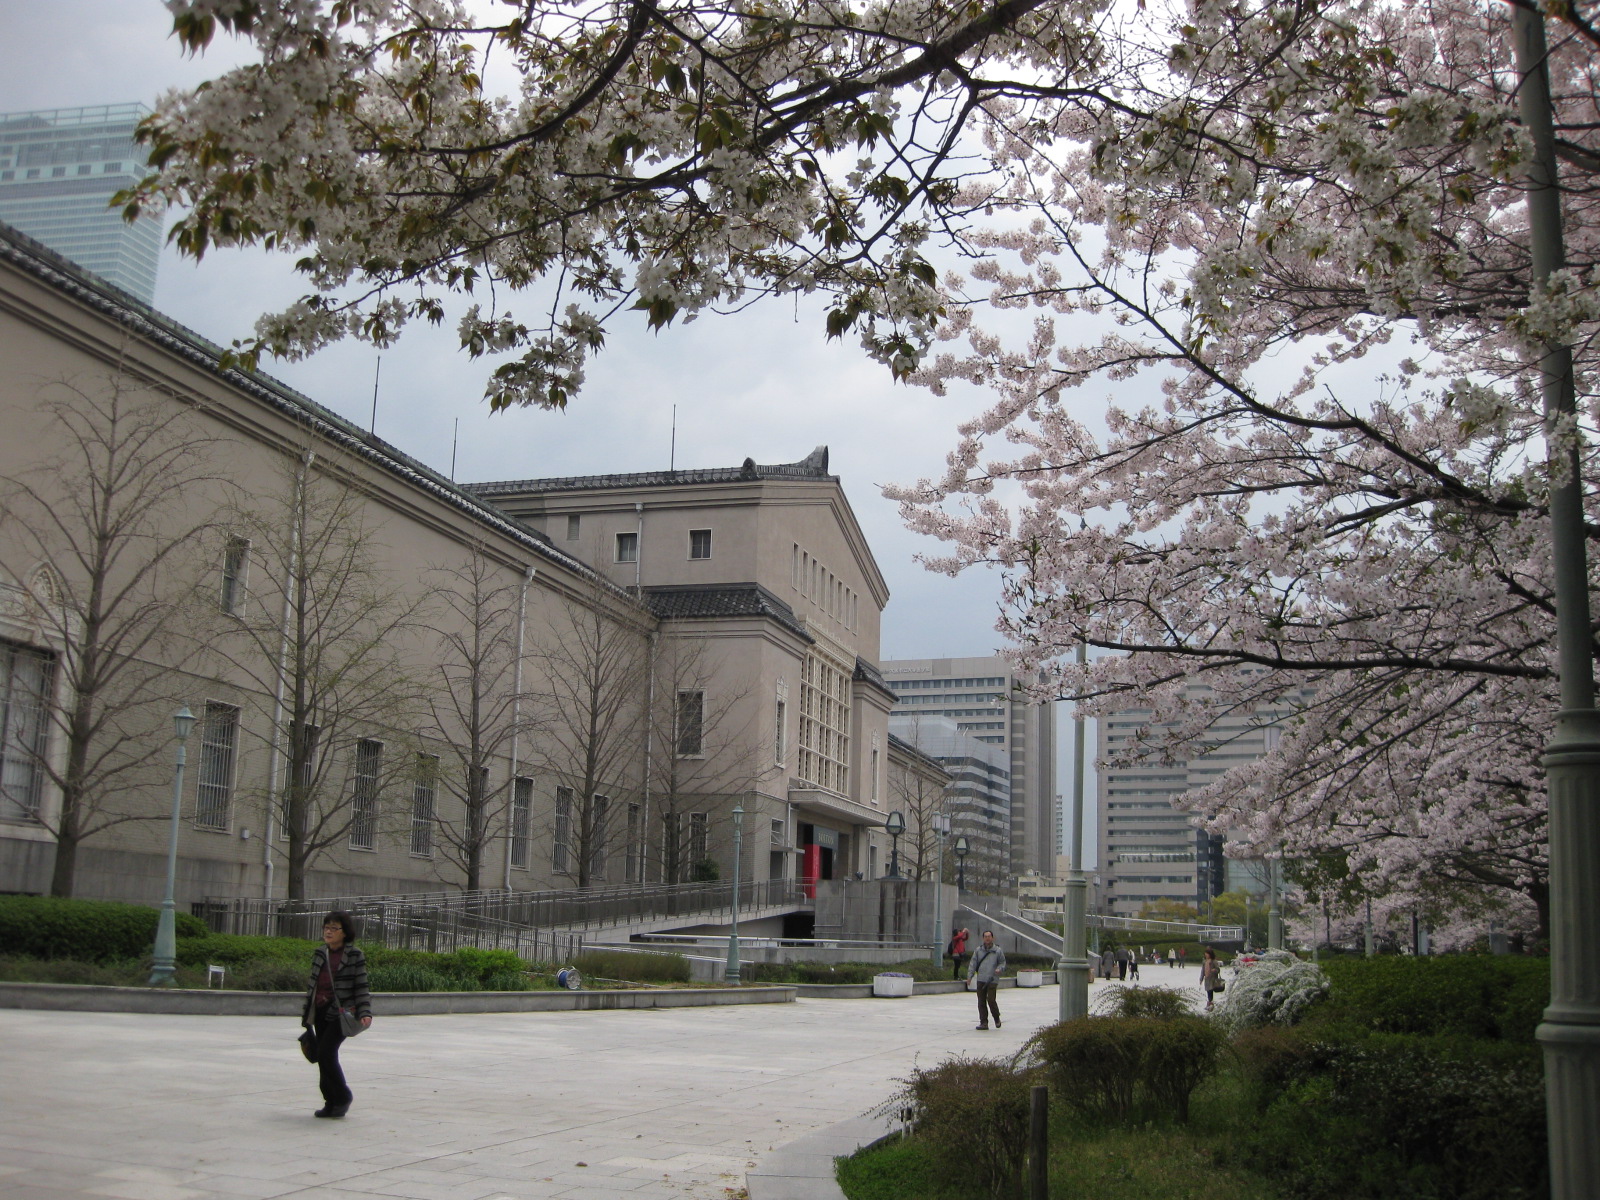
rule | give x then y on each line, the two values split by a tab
699	543
85	169
573	522
627	547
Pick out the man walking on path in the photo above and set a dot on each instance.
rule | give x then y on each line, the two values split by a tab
987	963
1122	962
958	951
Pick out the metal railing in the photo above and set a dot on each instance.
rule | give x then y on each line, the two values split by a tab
1181	929
507	920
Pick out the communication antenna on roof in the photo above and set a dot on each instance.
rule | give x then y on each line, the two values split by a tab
672	454
455	440
373	427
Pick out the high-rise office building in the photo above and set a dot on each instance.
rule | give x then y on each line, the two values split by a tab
981	696
59	168
978	797
1149	850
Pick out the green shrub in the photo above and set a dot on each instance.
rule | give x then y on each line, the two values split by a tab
268	975
972	1114
1108	1067
482	965
67	970
1118	1000
408	977
921	969
94	931
1483	996
1364	1117
508	981
237	950
632	967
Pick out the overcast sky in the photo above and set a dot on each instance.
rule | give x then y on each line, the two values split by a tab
763	384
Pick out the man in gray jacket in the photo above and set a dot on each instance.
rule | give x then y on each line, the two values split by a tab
986	965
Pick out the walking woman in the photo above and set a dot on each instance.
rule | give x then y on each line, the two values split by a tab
338	984
1210	976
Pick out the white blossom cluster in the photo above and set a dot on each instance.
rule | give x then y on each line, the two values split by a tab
1275	989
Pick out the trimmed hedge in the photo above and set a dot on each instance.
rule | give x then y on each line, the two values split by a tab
1483	996
92	931
1110	1068
1348	1115
633	968
972	1115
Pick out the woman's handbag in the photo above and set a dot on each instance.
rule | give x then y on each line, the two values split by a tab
1219	984
308	1045
349	1023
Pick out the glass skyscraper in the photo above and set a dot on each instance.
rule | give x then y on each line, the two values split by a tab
59	168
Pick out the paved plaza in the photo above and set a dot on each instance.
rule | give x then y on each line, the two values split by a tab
675	1103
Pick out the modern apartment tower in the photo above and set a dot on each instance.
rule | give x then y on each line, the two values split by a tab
59	168
1149	850
981	695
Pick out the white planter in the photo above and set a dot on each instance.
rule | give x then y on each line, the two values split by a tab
891	985
1030	978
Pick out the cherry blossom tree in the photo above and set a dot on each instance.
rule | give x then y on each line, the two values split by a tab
1339	184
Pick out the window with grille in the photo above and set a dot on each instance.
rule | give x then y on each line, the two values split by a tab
364	795
521	819
598	833
563	838
574	524
699	543
824	722
235	566
423	793
697	838
219	739
691	724
27	678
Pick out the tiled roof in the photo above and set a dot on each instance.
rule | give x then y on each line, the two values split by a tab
680	602
867	672
143	321
812	466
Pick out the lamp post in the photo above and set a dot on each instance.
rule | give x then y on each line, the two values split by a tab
1570	1031
731	975
895	825
1270	737
1072	972
961	862
941	830
166	960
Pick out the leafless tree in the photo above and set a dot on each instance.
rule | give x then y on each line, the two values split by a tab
591	658
702	752
919	790
475	712
102	538
322	638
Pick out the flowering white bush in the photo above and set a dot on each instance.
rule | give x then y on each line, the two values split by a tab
1274	990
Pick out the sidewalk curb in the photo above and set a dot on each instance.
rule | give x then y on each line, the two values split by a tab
804	1169
72	997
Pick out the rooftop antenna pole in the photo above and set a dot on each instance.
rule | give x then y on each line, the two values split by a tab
455	440
672	454
373	427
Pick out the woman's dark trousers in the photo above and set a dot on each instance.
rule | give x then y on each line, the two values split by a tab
335	1092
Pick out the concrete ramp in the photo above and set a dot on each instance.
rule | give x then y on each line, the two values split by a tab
1018	935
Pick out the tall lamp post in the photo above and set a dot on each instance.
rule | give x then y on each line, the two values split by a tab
731	974
1072	972
895	825
941	830
1570	1031
166	961
1270	736
961	862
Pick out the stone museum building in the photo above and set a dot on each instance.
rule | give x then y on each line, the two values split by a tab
400	684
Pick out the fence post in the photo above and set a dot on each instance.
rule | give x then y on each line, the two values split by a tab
1039	1144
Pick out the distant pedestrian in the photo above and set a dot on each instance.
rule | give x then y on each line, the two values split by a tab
1210	976
338	987
958	951
1183	956
1172	958
1108	963
987	963
1122	962
1133	966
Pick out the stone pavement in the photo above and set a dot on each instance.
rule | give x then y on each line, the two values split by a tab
673	1104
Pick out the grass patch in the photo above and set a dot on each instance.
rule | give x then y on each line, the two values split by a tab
1203	1160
